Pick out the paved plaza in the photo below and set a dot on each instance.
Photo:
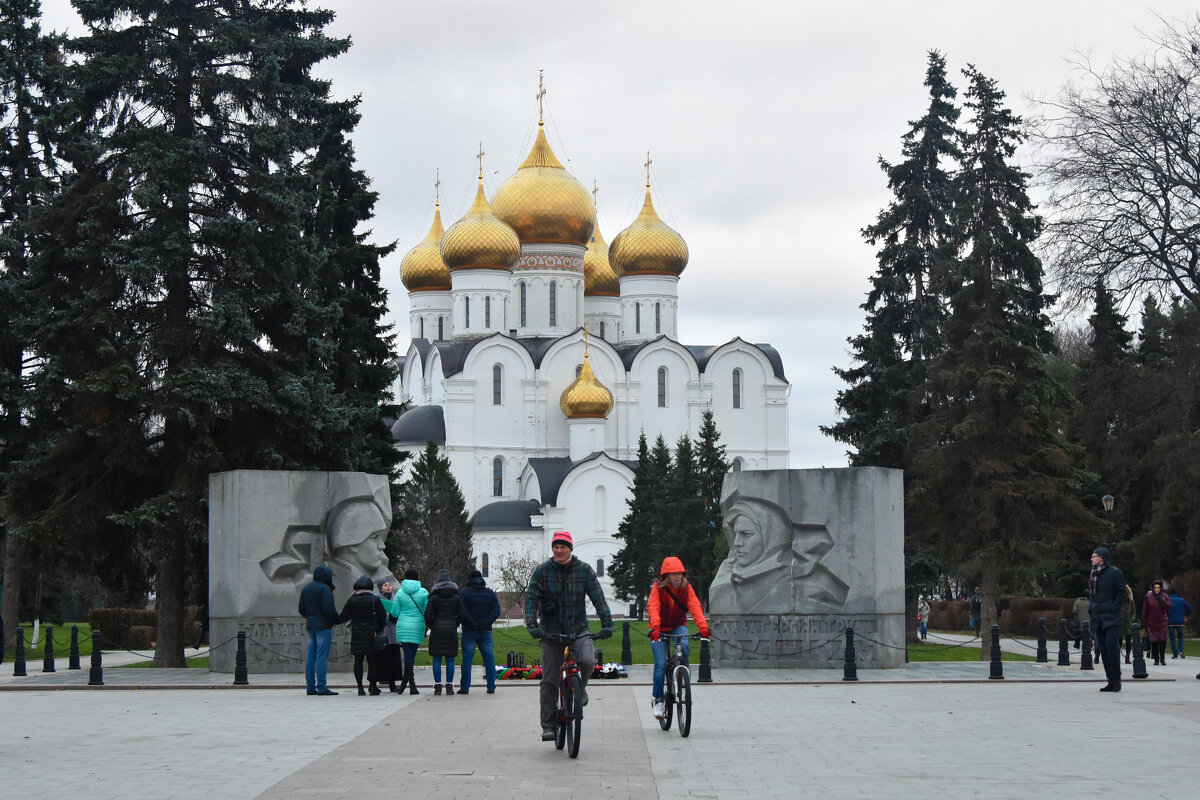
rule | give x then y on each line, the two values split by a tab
924	730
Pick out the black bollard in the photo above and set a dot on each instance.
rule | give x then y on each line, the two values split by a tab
96	674
73	661
705	663
19	655
1042	655
850	670
1064	649
48	650
239	662
626	647
2	640
1139	658
511	660
1085	658
997	672
599	656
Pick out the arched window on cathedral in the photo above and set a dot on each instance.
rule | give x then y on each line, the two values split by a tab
637	318
421	326
441	329
487	312
524	303
483	564
497	385
662	387
497	477
736	466
553	304
602	329
658	317
599	567
737	388
466	312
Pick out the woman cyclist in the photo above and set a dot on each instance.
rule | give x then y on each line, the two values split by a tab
671	599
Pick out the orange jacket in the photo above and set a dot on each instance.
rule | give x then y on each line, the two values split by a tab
665	614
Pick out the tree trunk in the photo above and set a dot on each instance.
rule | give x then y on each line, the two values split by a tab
168	650
990	586
11	601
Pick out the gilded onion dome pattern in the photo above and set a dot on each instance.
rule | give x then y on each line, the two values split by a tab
648	246
586	397
598	276
542	202
423	269
479	240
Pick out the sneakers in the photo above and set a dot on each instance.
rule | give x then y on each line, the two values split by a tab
547	734
657	705
437	689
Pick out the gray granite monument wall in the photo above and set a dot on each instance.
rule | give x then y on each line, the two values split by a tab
811	552
267	531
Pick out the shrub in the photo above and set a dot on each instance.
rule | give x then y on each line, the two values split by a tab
139	637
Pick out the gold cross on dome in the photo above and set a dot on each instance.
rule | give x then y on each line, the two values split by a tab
480	155
649	161
595	191
541	93
437	186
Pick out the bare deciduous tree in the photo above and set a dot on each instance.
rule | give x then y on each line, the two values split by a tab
513	571
1121	152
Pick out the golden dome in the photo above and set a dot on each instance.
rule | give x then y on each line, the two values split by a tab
598	276
479	240
586	397
648	246
422	269
542	202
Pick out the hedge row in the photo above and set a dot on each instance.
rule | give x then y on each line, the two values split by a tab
136	628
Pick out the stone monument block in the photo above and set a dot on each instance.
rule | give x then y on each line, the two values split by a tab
267	531
811	552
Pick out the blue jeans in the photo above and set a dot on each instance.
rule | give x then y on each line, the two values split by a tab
484	639
1176	634
437	669
924	629
659	649
316	659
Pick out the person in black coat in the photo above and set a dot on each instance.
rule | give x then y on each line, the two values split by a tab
482	607
1106	608
443	615
366	616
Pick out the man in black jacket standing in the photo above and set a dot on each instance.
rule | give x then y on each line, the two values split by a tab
482	610
1106	607
319	611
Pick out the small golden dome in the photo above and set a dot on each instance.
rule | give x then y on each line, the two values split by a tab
479	240
422	269
648	246
598	276
586	397
542	202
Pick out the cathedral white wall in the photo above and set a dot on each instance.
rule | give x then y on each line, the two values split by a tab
641	295
606	310
473	290
684	402
425	309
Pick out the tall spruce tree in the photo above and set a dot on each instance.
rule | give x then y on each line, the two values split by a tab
993	482
711	466
904	308
29	89
632	568
431	530
193	303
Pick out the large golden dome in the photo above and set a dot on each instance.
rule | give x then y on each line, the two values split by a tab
586	397
423	269
598	276
479	240
542	202
648	246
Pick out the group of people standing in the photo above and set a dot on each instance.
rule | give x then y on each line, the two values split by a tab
388	626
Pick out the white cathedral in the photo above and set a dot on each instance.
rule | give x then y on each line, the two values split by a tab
540	354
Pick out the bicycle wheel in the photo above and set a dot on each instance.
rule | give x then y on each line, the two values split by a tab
683	699
664	721
560	719
574	720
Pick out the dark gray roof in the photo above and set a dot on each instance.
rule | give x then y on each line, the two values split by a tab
420	425
551	472
505	515
701	353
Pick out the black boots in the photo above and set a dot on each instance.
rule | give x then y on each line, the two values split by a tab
437	689
449	689
1111	686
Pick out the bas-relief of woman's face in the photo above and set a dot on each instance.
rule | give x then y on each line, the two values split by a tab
749	542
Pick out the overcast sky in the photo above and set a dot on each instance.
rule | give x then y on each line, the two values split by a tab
764	121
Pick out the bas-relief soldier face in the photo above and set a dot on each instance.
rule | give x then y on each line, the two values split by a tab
748	543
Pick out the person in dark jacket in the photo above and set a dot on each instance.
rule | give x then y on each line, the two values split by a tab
1180	613
319	612
366	616
443	615
390	662
1106	607
481	610
1155	608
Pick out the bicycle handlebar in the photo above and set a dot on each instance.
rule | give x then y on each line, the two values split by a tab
567	638
666	635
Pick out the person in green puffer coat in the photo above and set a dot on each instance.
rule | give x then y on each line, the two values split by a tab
409	611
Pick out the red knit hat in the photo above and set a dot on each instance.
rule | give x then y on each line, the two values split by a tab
564	538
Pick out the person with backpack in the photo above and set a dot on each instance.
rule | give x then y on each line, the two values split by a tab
409	611
671	599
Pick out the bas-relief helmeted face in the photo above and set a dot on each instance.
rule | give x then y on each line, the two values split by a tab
749	540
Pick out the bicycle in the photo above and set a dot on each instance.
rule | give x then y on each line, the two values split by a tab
677	689
568	714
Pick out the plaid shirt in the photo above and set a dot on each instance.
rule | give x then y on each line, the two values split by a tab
567	585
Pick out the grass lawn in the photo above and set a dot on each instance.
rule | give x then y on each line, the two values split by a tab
62	641
519	640
927	651
196	661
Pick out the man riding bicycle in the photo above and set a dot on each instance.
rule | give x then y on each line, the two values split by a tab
671	598
554	605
